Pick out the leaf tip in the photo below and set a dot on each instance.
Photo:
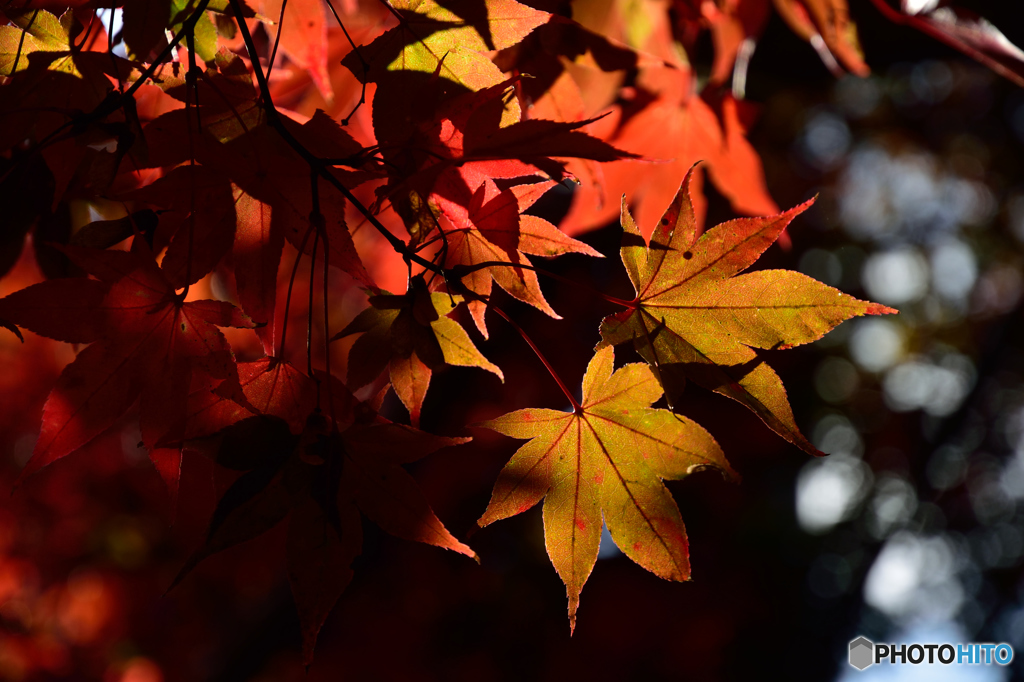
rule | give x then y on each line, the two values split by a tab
13	329
879	309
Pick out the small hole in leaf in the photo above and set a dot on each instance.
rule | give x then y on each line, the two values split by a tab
182	326
664	221
687	255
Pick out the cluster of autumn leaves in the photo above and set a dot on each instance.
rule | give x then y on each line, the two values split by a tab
475	110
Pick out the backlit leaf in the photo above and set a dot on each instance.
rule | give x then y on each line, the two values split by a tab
604	461
695	316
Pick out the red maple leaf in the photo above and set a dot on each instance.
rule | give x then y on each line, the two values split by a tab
146	343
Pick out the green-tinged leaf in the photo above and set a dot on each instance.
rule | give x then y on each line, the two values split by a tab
410	377
35	31
412	336
498	24
606	460
452	36
695	316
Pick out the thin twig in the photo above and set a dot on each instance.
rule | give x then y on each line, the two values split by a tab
277	40
309	316
362	62
291	283
576	407
115	100
327	337
274	120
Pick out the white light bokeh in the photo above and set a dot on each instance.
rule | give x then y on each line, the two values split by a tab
105	16
829	490
918	6
914	577
897	276
822	265
938	389
876	343
893	504
954	269
826	139
908	196
989	499
946	467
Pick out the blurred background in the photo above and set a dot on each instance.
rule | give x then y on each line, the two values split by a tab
912	530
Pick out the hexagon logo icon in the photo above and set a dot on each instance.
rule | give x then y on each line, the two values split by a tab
862	652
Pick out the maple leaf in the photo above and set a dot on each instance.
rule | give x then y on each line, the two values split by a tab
968	32
696	316
606	459
826	25
37	31
195	244
50	77
246	162
574	72
411	336
453	157
448	38
146	342
733	23
227	106
446	153
493	230
271	387
303	37
146	24
670	128
320	479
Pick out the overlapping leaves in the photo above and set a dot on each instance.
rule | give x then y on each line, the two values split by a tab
318	459
696	316
411	336
461	148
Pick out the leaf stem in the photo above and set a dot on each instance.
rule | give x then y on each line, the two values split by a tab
309	315
576	407
191	90
327	339
291	283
